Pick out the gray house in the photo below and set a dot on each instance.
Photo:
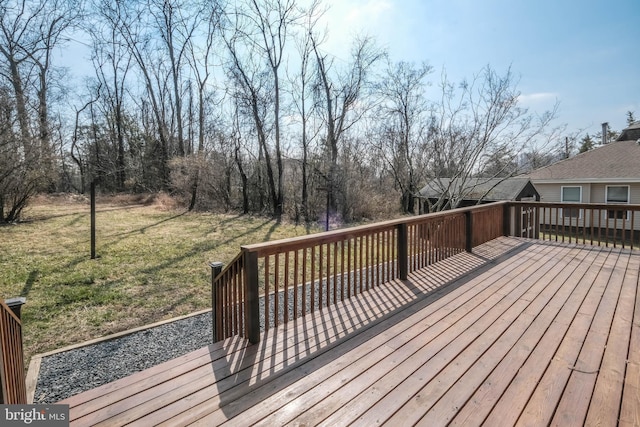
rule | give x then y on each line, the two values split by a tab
608	174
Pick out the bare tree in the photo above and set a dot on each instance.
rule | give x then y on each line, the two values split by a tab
176	21
273	20
112	64
403	134
132	22
257	47
10	162
76	151
340	91
17	35
469	125
29	33
200	59
302	98
57	17
236	137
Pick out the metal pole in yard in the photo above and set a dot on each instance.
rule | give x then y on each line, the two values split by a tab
93	219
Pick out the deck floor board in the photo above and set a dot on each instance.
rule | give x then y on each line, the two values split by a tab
520	332
607	394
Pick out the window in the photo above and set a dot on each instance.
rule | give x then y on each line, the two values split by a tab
617	194
572	195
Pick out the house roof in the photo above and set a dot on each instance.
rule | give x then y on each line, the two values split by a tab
616	161
492	189
632	132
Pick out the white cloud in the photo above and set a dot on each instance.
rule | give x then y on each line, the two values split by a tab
538	97
345	19
368	13
539	101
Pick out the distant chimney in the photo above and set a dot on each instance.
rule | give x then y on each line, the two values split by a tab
605	132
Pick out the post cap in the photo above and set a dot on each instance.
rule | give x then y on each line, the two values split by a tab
17	301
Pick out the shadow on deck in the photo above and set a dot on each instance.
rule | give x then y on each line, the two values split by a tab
509	333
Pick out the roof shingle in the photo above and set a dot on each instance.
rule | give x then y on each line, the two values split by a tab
616	160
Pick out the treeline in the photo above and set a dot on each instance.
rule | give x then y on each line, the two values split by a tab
239	106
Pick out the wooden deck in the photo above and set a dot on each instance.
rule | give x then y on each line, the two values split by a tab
517	333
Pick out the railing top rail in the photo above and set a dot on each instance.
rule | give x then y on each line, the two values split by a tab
578	205
300	242
229	265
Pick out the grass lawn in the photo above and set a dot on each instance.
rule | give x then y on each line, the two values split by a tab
152	264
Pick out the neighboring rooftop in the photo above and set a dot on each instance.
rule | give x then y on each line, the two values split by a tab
631	133
489	189
618	160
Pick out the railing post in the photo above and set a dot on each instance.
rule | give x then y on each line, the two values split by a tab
216	269
403	251
252	303
15	304
468	219
506	219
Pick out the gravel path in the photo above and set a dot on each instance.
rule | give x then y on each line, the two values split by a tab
68	373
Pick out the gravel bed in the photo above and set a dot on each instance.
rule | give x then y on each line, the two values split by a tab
68	373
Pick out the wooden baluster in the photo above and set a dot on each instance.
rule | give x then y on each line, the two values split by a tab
286	287
295	283
320	282
304	281
312	299
267	298
276	290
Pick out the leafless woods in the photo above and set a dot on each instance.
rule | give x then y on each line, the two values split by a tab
238	106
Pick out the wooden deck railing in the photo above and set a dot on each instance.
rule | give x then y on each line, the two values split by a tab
272	283
228	292
584	223
12	388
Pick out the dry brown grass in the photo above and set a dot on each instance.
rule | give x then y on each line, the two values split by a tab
152	263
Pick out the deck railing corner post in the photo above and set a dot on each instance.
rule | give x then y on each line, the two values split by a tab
252	303
15	304
216	269
403	251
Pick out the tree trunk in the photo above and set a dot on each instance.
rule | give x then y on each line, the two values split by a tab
120	162
243	177
278	203
194	190
21	106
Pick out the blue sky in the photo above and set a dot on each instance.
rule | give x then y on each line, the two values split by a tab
585	54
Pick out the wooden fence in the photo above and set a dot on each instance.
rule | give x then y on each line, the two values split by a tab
272	283
12	388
